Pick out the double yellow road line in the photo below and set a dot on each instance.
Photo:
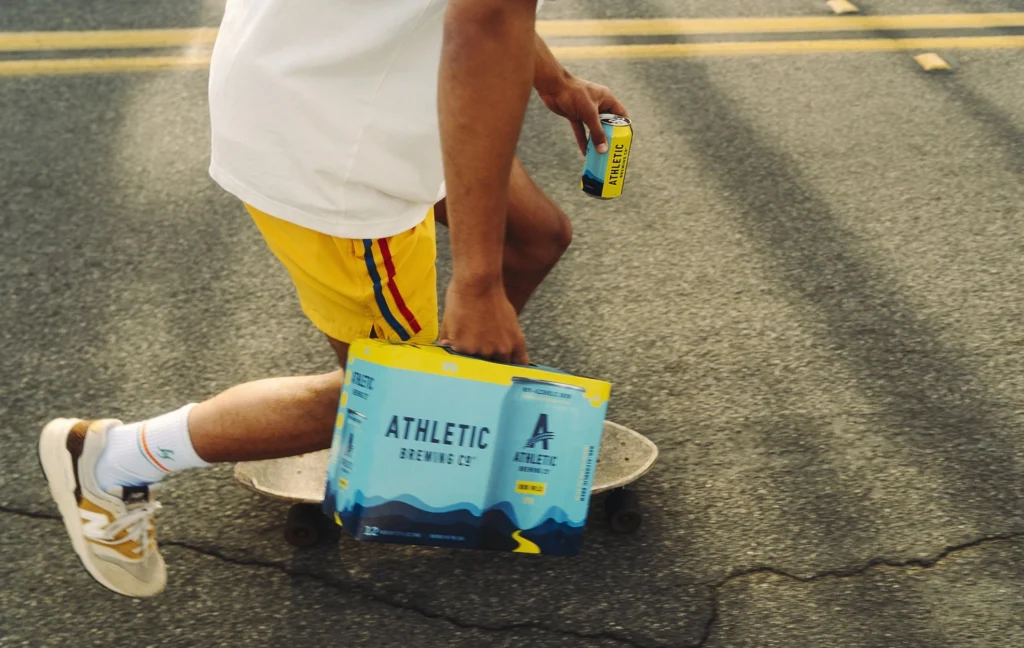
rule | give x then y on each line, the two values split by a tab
198	41
683	26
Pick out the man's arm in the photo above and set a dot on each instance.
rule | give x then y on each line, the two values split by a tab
548	74
579	101
485	80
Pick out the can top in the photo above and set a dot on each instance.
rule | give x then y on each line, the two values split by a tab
615	120
549	383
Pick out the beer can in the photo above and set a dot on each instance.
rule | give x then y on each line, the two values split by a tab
538	425
341	464
605	173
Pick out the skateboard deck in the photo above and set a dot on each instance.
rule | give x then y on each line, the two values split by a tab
625	457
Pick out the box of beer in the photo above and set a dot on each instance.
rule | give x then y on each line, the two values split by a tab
436	448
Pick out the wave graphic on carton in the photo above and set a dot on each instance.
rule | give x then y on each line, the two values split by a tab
415	502
407	519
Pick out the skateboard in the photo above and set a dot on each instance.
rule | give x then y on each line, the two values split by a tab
626	456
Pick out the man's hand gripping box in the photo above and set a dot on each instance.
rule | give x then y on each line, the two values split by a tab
435	448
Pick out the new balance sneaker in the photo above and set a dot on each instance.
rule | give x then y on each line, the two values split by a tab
112	532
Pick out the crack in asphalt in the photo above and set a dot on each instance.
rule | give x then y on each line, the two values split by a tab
849	572
715	587
10	510
357	589
393	602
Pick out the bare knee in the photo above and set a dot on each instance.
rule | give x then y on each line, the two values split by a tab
561	232
540	249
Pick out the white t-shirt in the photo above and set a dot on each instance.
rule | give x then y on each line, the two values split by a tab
324	112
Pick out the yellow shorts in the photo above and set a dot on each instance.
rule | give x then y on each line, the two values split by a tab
349	287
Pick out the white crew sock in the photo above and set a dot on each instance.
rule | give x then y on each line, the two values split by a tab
145	452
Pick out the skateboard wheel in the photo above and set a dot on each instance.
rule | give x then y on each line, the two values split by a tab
304	524
623	510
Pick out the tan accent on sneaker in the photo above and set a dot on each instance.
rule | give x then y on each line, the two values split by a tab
120	543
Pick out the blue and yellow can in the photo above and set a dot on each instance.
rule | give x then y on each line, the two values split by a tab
539	423
605	173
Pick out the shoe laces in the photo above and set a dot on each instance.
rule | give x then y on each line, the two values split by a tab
137	521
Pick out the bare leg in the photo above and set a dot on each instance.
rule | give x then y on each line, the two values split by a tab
537	234
269	419
283	417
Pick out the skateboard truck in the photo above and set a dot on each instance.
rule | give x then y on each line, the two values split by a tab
622	508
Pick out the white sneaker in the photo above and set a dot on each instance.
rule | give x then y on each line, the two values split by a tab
112	532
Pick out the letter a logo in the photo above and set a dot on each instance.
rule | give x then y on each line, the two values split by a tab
541	434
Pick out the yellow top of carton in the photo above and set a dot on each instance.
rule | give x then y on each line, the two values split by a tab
441	362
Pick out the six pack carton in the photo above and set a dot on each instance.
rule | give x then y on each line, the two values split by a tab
436	448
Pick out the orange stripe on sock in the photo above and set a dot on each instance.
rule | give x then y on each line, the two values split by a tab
145	448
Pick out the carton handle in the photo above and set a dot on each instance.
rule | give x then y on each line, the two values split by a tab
529	366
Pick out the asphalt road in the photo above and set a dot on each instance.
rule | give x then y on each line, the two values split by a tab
810	298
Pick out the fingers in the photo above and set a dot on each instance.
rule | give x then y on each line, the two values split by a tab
513	352
444	337
581	136
496	356
610	104
592	118
519	355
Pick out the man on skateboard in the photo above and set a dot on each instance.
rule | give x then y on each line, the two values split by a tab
340	124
